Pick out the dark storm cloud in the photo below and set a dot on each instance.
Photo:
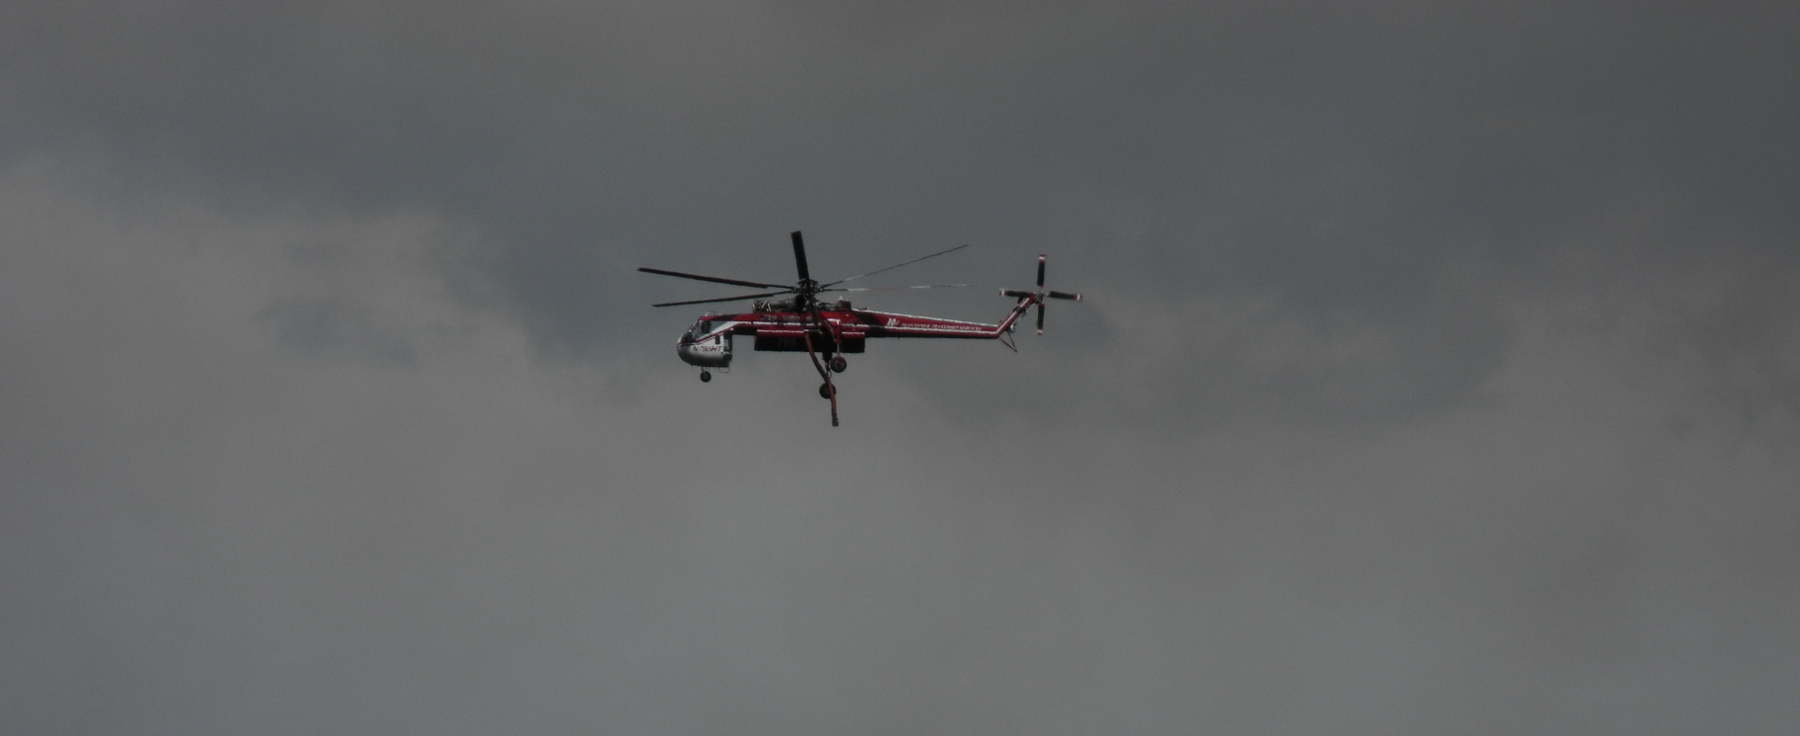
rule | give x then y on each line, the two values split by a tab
208	531
317	324
1438	371
1335	158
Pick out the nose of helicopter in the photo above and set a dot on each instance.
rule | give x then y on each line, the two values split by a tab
706	353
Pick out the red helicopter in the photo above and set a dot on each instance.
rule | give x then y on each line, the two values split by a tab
827	330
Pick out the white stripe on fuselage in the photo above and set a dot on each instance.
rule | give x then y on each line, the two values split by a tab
888	321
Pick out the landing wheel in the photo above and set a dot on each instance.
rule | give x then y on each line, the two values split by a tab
705	376
838	364
826	390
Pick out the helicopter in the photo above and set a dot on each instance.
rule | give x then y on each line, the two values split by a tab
794	319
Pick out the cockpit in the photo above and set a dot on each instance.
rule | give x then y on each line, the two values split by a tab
701	328
707	343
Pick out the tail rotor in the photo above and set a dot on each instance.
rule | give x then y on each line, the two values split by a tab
1036	298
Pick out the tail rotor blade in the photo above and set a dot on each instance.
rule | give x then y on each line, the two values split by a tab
1029	299
800	256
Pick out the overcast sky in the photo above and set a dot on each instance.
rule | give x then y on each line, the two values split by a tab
1439	370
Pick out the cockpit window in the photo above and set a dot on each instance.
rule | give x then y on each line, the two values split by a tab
699	330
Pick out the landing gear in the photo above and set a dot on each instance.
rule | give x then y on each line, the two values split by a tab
705	376
838	364
826	390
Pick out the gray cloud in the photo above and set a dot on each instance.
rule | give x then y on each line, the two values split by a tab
1336	160
1438	371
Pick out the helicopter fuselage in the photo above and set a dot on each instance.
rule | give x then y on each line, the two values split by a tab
840	329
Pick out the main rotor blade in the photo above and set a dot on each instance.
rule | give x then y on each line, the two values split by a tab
1040	318
723	299
1063	295
1040	272
897	265
800	256
896	288
714	279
